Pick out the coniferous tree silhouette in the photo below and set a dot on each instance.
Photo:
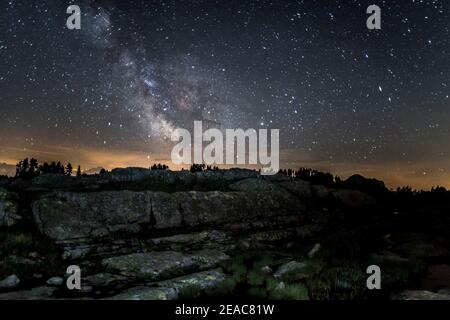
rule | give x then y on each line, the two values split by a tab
159	166
27	169
197	167
69	169
33	171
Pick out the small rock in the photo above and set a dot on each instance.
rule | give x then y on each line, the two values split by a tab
86	289
314	250
9	282
291	271
33	254
244	245
8	209
55	281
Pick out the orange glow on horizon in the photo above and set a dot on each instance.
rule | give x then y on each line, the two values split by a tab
393	174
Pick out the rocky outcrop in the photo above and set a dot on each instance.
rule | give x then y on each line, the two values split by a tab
156	234
107	222
106	279
195	281
135	174
291	271
84	219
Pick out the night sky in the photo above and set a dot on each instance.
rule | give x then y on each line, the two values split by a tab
346	99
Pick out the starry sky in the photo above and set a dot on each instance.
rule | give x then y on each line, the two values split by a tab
346	99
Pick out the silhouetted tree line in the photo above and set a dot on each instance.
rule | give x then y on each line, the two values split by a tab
159	166
314	176
196	167
406	193
30	168
405	190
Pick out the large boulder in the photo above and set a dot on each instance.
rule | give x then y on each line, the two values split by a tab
77	216
9	282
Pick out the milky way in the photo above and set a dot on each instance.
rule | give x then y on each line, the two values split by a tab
345	98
